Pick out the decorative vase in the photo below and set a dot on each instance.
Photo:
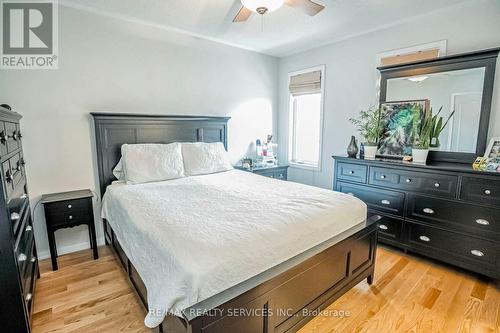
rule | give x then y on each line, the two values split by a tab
419	155
352	149
370	152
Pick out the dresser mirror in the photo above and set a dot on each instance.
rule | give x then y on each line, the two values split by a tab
460	84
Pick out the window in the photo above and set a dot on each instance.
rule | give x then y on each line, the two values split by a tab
306	116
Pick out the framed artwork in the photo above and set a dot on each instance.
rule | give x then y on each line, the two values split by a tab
400	120
493	150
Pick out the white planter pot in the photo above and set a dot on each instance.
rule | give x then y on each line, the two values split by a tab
419	155
370	152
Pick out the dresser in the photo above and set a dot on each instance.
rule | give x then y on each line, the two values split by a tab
18	261
446	211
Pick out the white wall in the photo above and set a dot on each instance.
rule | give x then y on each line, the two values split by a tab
350	78
111	65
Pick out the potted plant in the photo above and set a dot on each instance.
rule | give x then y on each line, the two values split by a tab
422	137
438	127
368	125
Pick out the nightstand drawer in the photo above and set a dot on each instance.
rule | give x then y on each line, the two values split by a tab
277	173
352	172
80	216
430	183
481	190
385	201
67	207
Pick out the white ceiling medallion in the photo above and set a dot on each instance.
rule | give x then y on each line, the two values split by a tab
262	6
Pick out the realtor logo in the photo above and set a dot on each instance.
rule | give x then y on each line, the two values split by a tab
29	34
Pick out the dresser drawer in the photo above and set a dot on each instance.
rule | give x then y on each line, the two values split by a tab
16	208
24	243
469	249
352	172
453	214
13	139
13	171
481	190
431	183
390	228
385	201
3	139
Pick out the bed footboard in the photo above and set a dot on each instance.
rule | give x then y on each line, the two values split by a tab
289	300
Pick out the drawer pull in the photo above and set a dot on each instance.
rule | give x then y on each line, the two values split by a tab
28	228
70	206
33	259
351	172
424	238
28	297
22	257
437	185
487	192
15	136
477	253
281	175
383	227
15	216
482	222
23	196
3	137
428	211
408	180
8	176
71	216
383	177
385	202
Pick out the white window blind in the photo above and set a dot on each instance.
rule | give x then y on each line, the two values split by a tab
306	96
305	83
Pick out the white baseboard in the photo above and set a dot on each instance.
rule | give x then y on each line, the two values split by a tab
69	249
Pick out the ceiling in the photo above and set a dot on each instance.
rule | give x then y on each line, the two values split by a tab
280	33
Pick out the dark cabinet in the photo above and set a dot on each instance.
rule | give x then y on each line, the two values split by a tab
446	211
18	259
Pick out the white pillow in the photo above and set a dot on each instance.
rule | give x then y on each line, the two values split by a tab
203	158
144	163
118	171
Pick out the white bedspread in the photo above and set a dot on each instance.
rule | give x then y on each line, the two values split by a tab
194	237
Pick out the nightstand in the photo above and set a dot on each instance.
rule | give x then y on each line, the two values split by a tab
68	210
275	171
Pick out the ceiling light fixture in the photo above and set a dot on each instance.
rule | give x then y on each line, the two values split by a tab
262	6
418	78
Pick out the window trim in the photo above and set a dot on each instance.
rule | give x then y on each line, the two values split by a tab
291	120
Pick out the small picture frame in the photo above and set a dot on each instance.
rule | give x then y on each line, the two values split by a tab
493	150
247	163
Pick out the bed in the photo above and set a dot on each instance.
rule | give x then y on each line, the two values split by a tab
208	254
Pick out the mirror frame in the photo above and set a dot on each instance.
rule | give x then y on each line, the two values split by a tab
486	59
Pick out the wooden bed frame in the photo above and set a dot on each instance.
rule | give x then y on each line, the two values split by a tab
283	303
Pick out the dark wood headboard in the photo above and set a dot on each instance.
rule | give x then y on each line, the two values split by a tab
114	129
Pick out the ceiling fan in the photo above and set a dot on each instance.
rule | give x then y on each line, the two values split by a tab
266	6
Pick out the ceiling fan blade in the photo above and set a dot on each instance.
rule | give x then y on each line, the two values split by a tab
307	6
242	15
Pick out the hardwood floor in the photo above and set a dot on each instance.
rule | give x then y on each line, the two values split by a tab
409	294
